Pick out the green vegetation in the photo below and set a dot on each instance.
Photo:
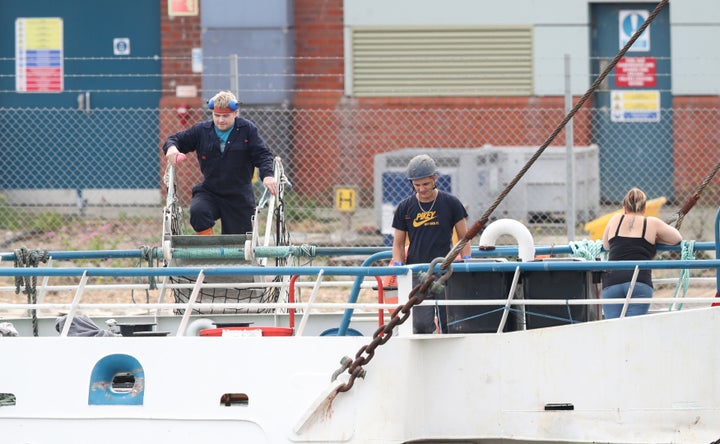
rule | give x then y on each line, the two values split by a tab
13	219
299	208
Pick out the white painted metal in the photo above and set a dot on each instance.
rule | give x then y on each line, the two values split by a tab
646	379
514	228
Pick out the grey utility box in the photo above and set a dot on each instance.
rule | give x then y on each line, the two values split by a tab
541	195
478	175
469	174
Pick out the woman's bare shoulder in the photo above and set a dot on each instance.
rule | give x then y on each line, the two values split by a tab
611	226
665	233
657	222
615	219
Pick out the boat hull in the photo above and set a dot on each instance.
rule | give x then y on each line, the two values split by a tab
646	379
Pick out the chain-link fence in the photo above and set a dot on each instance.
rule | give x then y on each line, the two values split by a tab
93	180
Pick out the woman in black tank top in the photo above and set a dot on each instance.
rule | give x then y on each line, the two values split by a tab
633	237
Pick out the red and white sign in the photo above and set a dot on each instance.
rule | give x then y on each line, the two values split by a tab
636	72
182	7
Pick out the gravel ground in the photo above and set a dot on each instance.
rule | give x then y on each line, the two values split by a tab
103	234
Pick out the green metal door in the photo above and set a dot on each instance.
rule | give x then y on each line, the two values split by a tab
633	121
100	131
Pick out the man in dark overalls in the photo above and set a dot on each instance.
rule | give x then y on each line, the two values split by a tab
228	149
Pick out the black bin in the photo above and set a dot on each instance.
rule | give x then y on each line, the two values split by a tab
563	285
478	285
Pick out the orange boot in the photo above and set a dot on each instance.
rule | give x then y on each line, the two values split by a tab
390	290
208	232
390	294
391	299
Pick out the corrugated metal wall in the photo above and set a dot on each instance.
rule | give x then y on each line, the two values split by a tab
442	61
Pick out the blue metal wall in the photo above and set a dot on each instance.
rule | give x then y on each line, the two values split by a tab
86	149
633	153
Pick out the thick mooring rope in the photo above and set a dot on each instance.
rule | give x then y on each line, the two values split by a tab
418	294
680	215
478	226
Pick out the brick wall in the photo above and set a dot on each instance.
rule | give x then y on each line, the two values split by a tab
319	33
694	138
178	36
319	49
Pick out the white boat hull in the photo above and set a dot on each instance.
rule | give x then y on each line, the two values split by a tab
647	379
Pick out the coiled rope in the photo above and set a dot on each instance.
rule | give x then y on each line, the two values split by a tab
687	254
306	250
148	254
25	258
586	249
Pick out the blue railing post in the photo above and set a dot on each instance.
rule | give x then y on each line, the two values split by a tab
355	292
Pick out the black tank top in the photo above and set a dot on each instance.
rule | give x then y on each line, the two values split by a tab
624	248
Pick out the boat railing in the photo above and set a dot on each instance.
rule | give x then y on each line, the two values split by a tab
369	276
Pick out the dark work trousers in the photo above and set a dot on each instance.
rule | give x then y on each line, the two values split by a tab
206	208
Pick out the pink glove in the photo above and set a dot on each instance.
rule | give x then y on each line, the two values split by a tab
180	157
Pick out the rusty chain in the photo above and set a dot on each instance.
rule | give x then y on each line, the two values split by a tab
418	294
383	334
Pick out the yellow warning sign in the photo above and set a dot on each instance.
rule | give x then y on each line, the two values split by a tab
345	199
635	106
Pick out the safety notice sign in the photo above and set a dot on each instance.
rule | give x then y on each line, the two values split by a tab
636	72
345	199
635	105
629	22
39	54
